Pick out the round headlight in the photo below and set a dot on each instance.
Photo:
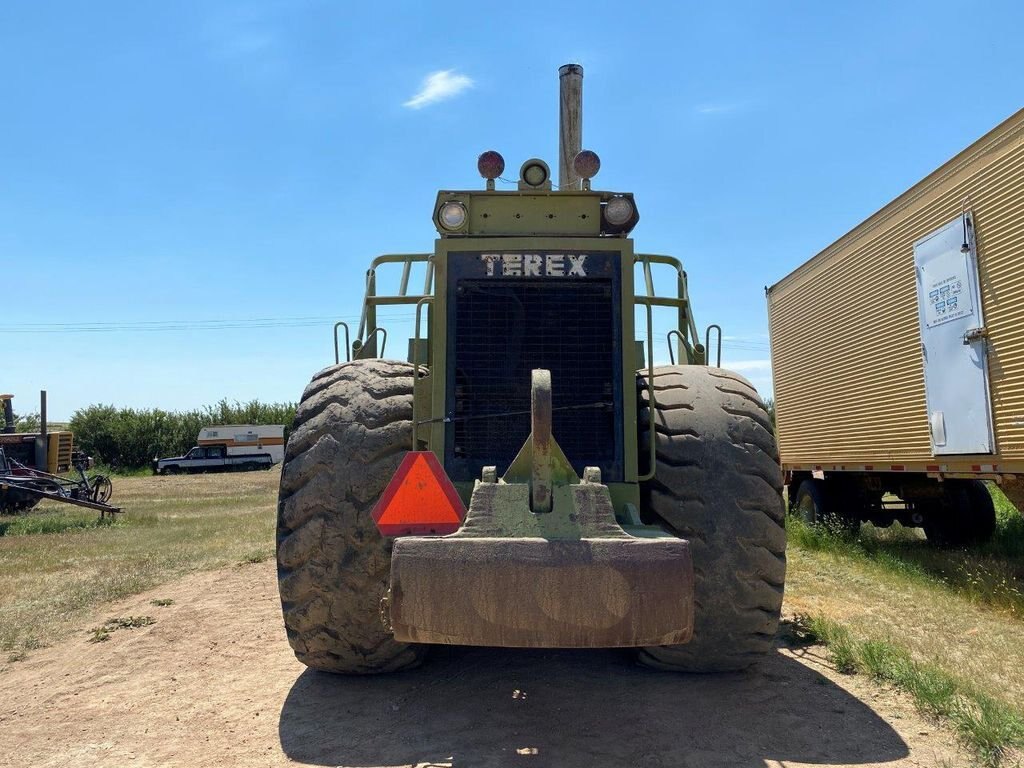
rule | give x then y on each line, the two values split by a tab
534	172
452	215
618	211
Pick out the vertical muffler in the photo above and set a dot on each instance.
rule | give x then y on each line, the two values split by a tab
570	123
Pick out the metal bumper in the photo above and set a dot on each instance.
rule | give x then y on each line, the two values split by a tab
542	562
530	593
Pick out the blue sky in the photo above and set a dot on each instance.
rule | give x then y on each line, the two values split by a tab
195	166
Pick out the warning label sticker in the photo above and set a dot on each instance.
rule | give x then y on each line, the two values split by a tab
946	289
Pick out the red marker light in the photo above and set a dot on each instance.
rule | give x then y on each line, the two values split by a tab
586	164
419	500
490	164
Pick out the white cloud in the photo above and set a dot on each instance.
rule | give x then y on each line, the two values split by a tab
715	109
438	86
247	43
748	365
752	337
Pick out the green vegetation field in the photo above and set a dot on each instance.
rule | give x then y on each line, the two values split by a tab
129	438
946	626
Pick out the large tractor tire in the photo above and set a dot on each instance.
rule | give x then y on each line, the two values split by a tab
351	430
719	485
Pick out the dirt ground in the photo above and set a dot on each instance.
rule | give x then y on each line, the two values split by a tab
212	682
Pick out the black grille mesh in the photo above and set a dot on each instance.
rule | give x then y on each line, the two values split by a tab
506	329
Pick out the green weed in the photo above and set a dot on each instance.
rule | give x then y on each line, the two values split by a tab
102	633
255	556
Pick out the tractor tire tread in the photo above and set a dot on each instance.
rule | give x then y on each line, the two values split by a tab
351	430
730	508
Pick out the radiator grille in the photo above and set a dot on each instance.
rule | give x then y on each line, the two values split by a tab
503	330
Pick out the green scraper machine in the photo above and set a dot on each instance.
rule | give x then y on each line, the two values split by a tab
529	477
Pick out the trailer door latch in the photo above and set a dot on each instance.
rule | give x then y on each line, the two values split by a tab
975	334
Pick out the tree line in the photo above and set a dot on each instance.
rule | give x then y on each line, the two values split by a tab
129	438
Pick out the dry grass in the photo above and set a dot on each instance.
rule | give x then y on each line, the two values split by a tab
56	569
947	625
54	572
993	729
935	624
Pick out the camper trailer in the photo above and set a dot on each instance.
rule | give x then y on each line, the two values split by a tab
232	447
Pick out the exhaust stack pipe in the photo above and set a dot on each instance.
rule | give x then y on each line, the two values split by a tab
42	441
8	414
570	123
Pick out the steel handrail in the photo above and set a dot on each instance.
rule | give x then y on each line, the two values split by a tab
668	340
416	363
348	344
707	342
652	446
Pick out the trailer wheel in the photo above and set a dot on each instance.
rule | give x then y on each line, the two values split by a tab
718	484
351	430
809	504
818	503
964	516
983	511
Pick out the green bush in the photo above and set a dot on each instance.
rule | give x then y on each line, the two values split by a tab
26	422
129	438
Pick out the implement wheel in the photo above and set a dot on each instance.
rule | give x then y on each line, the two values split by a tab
14	502
351	430
719	485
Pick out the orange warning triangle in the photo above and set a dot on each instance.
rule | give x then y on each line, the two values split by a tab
420	499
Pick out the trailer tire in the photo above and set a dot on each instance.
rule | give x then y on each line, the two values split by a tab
965	515
719	485
351	430
983	511
818	503
809	503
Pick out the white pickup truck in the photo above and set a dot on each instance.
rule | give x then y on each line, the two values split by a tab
230	448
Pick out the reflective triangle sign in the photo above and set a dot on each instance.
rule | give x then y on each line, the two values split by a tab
420	500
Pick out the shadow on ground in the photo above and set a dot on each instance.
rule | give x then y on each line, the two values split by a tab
472	707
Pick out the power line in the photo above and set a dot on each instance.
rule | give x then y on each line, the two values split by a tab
151	326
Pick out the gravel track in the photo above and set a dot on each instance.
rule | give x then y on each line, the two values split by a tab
213	682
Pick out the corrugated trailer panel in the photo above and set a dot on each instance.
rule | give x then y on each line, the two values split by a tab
846	343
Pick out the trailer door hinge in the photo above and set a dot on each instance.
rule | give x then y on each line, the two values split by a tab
975	334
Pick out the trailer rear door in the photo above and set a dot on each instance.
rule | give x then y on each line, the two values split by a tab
955	352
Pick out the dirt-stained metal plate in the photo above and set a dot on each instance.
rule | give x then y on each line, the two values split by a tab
538	593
